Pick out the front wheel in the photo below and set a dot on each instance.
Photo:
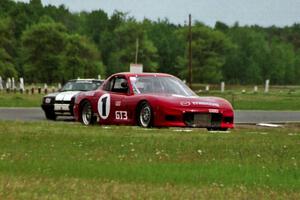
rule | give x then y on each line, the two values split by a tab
144	116
87	117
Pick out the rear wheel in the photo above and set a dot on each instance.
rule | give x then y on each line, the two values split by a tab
145	117
87	116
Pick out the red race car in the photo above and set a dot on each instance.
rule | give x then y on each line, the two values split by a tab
151	99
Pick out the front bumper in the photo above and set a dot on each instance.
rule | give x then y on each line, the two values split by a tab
198	118
60	109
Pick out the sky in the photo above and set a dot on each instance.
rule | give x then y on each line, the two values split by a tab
246	12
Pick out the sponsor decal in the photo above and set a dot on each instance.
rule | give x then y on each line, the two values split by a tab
200	103
118	103
104	106
185	103
213	110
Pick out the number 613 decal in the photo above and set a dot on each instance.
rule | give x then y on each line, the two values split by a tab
104	106
121	115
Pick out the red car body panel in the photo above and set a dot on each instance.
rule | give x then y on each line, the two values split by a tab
168	110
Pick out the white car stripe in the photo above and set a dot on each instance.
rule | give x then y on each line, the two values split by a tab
66	96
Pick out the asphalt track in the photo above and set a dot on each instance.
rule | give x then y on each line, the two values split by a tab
241	116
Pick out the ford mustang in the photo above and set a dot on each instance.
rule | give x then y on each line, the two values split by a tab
151	99
62	102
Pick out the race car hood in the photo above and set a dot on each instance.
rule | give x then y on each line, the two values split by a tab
66	96
52	95
194	101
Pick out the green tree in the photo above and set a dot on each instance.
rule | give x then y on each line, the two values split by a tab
208	53
282	63
82	58
43	45
7	51
96	23
5	7
126	36
163	35
247	62
72	21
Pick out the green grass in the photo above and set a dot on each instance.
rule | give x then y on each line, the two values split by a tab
20	100
51	160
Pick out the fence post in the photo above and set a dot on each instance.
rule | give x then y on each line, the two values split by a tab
8	85
267	86
1	86
46	88
255	89
13	85
22	85
222	86
207	88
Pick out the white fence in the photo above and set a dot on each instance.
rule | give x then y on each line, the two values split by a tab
10	85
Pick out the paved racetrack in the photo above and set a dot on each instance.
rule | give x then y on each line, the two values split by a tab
36	114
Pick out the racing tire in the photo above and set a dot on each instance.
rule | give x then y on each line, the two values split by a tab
50	115
145	115
86	114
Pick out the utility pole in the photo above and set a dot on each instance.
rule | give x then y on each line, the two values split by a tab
137	50
190	50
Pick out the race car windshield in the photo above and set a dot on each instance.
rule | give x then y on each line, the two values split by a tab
160	85
80	86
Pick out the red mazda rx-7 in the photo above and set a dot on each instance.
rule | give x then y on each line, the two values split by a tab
151	100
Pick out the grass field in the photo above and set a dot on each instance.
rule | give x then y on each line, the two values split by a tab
47	160
20	100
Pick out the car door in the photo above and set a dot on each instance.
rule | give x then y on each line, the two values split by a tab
112	105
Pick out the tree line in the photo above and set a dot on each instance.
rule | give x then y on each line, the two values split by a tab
51	44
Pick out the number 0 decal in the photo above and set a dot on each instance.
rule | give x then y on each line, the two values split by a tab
104	106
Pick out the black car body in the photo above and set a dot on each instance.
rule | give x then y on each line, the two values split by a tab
61	103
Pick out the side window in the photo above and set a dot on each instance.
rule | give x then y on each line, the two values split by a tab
120	85
117	84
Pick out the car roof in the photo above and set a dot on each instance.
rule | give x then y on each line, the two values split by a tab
85	80
130	74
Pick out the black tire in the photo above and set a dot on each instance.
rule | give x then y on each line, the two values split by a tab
145	115
217	129
50	115
86	114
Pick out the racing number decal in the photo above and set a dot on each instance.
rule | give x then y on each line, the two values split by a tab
121	115
104	106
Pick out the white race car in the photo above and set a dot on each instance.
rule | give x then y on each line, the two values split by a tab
61	103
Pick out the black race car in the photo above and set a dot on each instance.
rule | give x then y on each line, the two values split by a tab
61	103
